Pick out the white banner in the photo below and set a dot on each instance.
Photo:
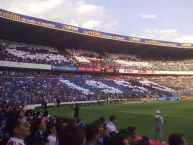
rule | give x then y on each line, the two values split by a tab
151	72
24	65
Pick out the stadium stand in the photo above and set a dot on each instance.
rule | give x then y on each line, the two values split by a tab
34	86
21	52
31	53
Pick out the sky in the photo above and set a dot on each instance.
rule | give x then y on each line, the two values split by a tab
169	20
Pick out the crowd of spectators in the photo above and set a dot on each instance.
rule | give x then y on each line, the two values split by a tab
34	86
175	82
27	127
31	53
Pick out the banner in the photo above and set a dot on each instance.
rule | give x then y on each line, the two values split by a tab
69	28
149	99
64	68
125	71
151	72
25	65
169	98
131	99
110	70
186	97
89	69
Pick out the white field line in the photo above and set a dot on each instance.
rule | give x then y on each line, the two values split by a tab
140	113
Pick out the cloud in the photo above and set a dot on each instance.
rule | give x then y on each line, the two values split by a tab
88	8
91	24
166	35
148	16
161	34
185	39
75	12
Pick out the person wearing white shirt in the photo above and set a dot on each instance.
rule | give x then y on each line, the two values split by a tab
111	124
52	135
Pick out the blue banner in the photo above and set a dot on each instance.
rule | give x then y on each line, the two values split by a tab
64	68
69	28
169	98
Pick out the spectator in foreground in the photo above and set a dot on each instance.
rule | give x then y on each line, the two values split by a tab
19	129
40	141
158	120
71	135
39	130
102	131
119	139
111	124
52	134
2	131
132	135
177	139
143	141
92	134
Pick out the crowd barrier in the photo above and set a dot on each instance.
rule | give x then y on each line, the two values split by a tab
33	106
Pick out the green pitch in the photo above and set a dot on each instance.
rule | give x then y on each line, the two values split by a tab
178	116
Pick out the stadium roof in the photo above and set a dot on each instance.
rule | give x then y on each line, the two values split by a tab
22	28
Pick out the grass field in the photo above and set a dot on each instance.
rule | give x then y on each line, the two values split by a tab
178	116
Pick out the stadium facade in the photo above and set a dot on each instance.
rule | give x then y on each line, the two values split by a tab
38	55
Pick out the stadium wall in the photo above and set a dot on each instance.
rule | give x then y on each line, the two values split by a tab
83	69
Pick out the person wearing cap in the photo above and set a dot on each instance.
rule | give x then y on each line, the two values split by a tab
158	121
